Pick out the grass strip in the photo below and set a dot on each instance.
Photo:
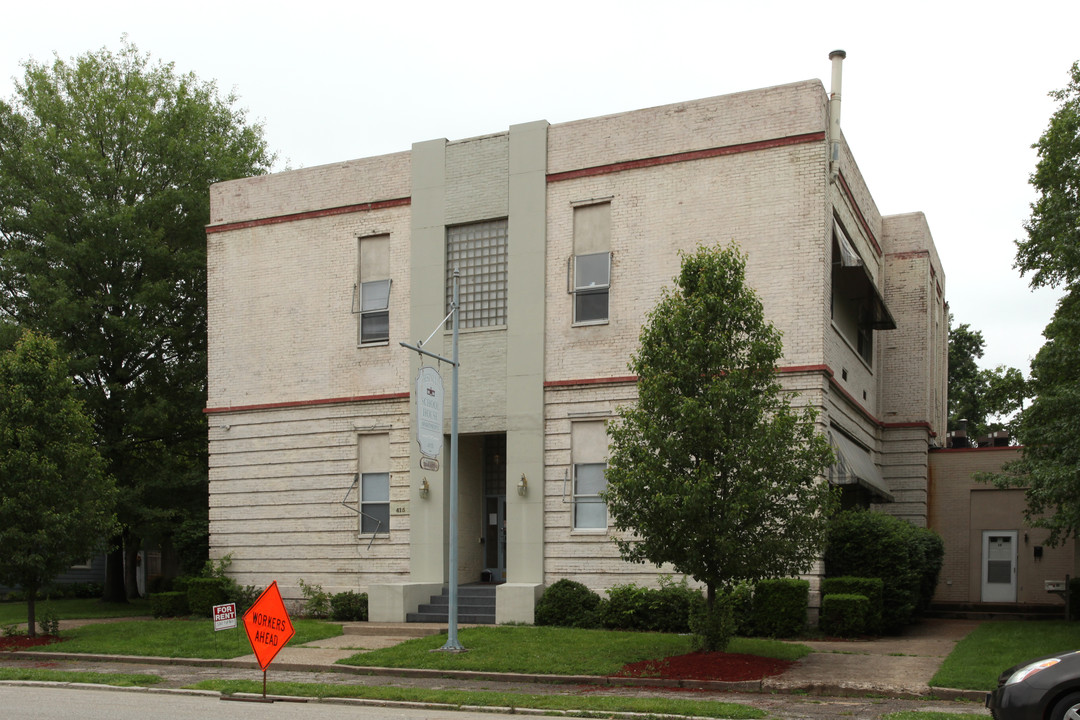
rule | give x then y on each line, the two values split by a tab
174	638
73	608
978	659
457	698
553	651
77	676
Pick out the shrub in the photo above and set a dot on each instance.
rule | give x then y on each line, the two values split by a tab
742	609
349	605
169	604
204	593
627	607
873	589
779	608
930	556
713	627
567	603
907	559
243	595
316	600
49	622
844	615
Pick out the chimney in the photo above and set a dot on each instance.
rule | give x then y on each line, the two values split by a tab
837	57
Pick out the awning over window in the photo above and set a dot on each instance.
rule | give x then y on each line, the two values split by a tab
880	317
855	467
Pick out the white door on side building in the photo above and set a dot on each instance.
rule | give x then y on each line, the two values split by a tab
999	566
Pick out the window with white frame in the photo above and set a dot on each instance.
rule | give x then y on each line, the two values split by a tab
373	301
589	454
374	464
479	252
590	269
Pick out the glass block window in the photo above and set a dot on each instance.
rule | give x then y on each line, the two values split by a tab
478	251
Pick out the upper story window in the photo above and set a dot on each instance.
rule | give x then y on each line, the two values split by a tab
479	252
373	302
857	308
590	271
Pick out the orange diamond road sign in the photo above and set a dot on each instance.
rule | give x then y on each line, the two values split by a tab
268	626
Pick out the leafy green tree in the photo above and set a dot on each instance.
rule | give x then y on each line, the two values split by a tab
1051	252
965	384
712	471
56	499
1049	467
986	399
105	166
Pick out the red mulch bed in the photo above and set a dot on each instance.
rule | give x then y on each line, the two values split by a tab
726	667
21	642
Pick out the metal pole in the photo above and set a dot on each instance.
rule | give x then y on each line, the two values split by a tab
452	636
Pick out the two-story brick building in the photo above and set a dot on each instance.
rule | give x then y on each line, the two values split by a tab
563	236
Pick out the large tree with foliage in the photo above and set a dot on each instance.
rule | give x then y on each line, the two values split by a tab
55	497
1049	467
105	166
712	470
979	395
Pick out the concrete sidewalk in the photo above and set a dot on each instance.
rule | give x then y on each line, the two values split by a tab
899	667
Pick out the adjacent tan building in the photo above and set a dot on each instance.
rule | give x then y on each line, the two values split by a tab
991	554
563	236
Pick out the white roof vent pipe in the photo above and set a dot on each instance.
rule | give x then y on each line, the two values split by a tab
837	57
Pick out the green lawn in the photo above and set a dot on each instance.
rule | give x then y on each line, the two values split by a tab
979	658
174	638
579	705
553	651
15	612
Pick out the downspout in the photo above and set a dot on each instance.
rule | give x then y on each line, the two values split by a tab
837	57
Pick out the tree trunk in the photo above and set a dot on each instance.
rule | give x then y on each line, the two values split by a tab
131	564
31	611
114	573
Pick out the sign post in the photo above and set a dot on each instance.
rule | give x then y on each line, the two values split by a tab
452	643
268	627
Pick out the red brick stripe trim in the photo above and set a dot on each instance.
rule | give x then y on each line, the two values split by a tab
308	403
686	156
326	212
591	381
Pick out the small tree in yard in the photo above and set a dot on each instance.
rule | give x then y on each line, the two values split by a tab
56	501
713	471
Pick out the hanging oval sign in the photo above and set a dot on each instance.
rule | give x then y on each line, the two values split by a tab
429	412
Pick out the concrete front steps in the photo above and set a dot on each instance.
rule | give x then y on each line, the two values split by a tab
476	606
996	611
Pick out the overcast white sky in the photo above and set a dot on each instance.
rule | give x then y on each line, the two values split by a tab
941	100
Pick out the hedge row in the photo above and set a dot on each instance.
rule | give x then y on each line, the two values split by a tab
906	558
775	607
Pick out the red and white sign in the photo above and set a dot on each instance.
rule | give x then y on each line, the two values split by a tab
268	625
224	616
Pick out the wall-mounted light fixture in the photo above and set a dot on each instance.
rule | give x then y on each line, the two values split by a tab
425	489
523	485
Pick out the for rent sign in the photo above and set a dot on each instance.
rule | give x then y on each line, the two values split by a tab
224	616
268	626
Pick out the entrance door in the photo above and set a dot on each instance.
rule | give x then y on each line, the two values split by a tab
495	537
999	566
495	507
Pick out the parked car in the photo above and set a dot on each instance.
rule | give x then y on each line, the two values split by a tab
1046	688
